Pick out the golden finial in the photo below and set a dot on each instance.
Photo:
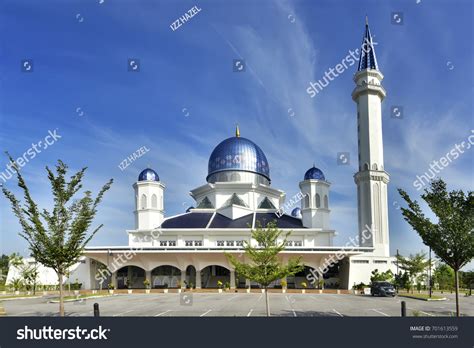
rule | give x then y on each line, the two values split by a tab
237	131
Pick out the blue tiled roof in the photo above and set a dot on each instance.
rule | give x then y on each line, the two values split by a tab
367	56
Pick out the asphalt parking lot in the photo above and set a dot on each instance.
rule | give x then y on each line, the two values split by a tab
239	304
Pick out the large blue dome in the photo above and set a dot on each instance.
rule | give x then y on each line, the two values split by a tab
148	175
314	174
240	154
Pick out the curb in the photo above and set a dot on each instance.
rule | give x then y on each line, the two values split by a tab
424	299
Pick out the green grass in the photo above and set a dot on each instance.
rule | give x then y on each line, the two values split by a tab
17	296
421	296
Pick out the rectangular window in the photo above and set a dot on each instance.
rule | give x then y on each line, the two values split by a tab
220	243
163	243
239	243
380	261
188	243
289	243
198	243
360	261
172	243
230	243
298	243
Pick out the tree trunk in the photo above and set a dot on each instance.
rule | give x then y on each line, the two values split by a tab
267	301
61	296
456	286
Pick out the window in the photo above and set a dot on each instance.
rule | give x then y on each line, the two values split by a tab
163	243
306	201
236	200
266	204
318	200
298	243
205	204
289	243
380	261
154	201
198	243
234	177
220	243
326	202
143	202
229	243
239	243
188	243
360	261
172	243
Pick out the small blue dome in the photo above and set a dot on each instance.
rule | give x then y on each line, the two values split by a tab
314	174
239	154
296	213
148	175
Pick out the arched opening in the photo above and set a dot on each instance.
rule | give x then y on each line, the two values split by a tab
326	202
366	166
211	275
165	277
374	166
130	277
143	202
154	201
318	200
295	281
234	177
191	277
306	201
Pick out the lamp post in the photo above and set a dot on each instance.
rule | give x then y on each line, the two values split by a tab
430	280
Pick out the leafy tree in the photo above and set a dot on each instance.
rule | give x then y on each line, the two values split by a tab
452	237
403	281
4	260
444	276
414	265
264	266
57	238
386	276
467	280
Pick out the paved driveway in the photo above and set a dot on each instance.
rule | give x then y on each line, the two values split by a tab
239	304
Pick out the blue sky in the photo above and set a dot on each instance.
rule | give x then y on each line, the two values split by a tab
80	86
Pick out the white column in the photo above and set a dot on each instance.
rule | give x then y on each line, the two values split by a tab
247	283
148	276
198	279
232	279
114	279
183	279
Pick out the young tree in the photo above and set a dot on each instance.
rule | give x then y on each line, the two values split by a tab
444	276
386	276
264	266
57	238
452	237
414	265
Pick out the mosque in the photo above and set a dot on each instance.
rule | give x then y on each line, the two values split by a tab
189	249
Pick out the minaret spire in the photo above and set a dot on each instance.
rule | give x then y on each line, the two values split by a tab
367	55
237	131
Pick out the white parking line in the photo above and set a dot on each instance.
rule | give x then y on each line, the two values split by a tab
160	314
230	299
380	312
120	314
431	315
290	302
250	313
203	314
337	312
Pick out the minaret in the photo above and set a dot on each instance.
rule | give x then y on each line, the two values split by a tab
371	179
315	203
149	205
